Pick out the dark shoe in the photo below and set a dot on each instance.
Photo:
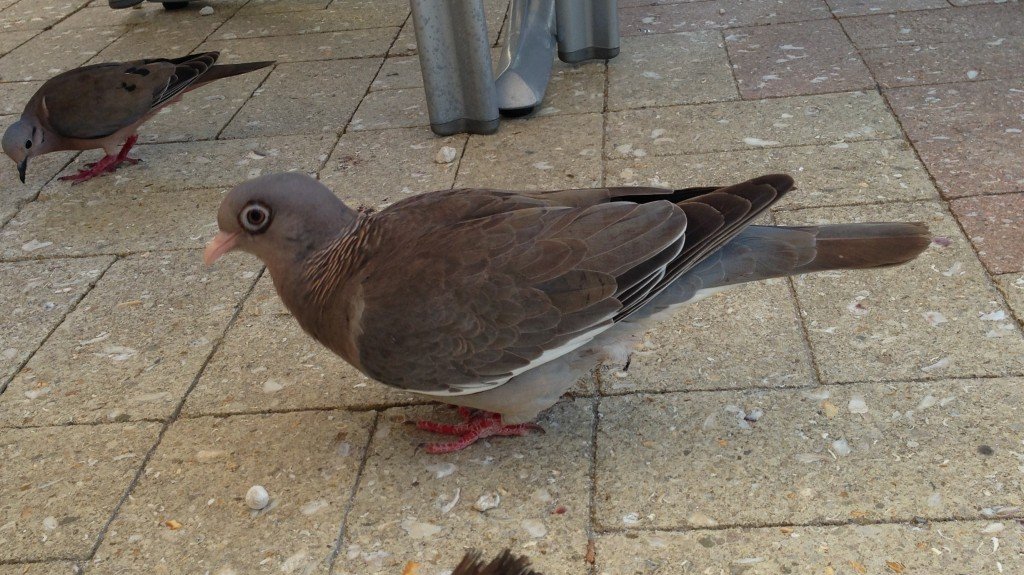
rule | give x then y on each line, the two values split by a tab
116	4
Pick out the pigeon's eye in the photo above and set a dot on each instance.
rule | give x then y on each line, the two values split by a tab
255	218
28	144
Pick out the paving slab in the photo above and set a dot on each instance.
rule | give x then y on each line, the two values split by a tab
41	170
34	298
281	6
549	153
378	168
719	127
864	7
707	345
59	486
306	47
205	164
1012	286
302	99
657	70
189	514
927	26
680	17
864	453
834	175
937	316
975	60
11	40
55	51
995	225
942	548
351	15
381	110
268	363
164	40
14	97
969	135
131	349
113	221
414	507
398	72
48	568
405	43
795	59
37	15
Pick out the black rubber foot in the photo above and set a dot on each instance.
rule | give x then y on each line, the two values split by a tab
517	112
118	4
175	5
592	53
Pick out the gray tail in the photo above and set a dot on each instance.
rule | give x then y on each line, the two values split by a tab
862	246
220	71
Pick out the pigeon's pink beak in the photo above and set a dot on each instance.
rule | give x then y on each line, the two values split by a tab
221	244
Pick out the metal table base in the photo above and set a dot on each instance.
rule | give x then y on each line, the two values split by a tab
462	92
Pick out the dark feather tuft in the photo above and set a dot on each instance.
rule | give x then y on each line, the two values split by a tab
503	564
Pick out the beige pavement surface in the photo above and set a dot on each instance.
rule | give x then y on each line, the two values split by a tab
846	423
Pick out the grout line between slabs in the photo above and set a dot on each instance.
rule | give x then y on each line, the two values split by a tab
332	557
101	535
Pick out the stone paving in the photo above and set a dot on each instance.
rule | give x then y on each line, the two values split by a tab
837	424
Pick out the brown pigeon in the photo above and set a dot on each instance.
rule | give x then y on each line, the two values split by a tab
102	106
498	301
503	564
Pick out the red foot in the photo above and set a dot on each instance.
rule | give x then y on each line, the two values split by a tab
106	164
477	425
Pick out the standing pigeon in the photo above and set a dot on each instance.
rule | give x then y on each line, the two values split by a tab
102	106
498	301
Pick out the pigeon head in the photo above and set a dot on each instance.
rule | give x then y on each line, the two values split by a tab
23	140
279	218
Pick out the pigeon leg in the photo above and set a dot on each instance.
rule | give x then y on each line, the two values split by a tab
122	156
92	171
478	425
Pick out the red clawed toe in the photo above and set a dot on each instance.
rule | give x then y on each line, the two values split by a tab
477	425
106	164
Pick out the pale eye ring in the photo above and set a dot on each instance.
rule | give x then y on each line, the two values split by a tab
255	218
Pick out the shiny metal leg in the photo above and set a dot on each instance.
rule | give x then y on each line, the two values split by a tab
456	62
587	30
526	58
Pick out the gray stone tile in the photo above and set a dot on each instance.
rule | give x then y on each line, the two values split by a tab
306	47
556	152
404	108
34	298
112	221
302	99
692	460
924	27
49	568
840	174
207	164
131	348
40	171
405	43
1013	288
281	6
793	59
60	485
378	168
678	17
865	7
37	15
348	15
165	40
399	72
670	69
267	363
979	60
11	40
574	89
975	2
707	345
942	548
15	95
803	120
937	316
188	510
542	480
53	52
969	135
152	15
